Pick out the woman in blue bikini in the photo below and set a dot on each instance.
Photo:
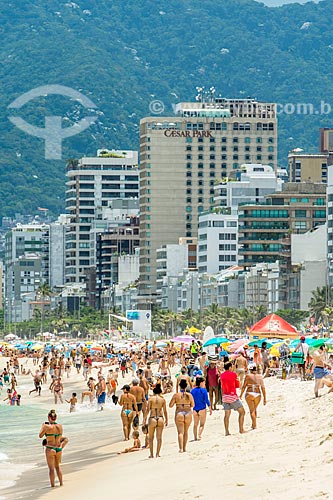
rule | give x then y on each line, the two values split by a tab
129	410
53	446
184	403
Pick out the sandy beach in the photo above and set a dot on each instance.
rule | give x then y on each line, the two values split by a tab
289	457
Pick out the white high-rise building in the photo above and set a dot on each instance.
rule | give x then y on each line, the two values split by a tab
91	184
251	185
217	242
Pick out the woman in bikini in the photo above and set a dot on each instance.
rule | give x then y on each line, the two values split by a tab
201	400
184	403
158	418
129	410
53	447
253	387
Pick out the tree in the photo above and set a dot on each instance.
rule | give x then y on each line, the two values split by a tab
321	297
43	292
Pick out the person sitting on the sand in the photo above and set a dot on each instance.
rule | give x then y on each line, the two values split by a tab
136	444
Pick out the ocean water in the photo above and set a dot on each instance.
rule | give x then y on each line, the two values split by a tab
21	448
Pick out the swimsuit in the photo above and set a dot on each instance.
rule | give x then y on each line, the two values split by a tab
127	412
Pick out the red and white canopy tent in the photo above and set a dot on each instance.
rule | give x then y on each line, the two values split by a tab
273	326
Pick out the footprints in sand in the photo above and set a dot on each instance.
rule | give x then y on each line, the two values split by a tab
327	438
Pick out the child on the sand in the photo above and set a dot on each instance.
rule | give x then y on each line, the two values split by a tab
136	444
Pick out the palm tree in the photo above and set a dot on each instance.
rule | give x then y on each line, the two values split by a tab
319	301
43	292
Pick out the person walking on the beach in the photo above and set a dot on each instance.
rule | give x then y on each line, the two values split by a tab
253	387
212	382
158	418
320	371
101	392
57	388
230	399
303	348
129	410
241	367
53	447
139	395
184	403
201	402
91	392
265	359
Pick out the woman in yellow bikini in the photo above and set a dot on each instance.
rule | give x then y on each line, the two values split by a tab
53	446
129	410
184	403
253	387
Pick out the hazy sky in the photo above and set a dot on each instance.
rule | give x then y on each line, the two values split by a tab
273	3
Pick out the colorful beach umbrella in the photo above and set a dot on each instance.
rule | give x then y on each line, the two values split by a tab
183	339
216	341
260	342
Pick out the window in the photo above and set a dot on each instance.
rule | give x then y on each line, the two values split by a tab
271	140
188	139
224	148
300	214
212	157
218	223
247	140
200	157
224	126
200	191
259	140
200	200
235	157
212	165
223	165
188	191
259	157
212	139
235	166
188	174
200	148
200	165
188	209
235	140
188	217
271	149
200	139
211	174
188	157
247	157
259	148
200	174
188	165
211	148
235	148
188	200
223	139
188	148
231	223
223	157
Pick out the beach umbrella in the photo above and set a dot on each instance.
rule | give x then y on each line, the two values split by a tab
316	343
260	342
183	339
4	344
238	344
192	330
216	341
36	347
96	348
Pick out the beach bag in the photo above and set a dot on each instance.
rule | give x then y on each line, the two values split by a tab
297	358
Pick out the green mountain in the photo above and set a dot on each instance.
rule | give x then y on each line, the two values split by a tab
124	54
